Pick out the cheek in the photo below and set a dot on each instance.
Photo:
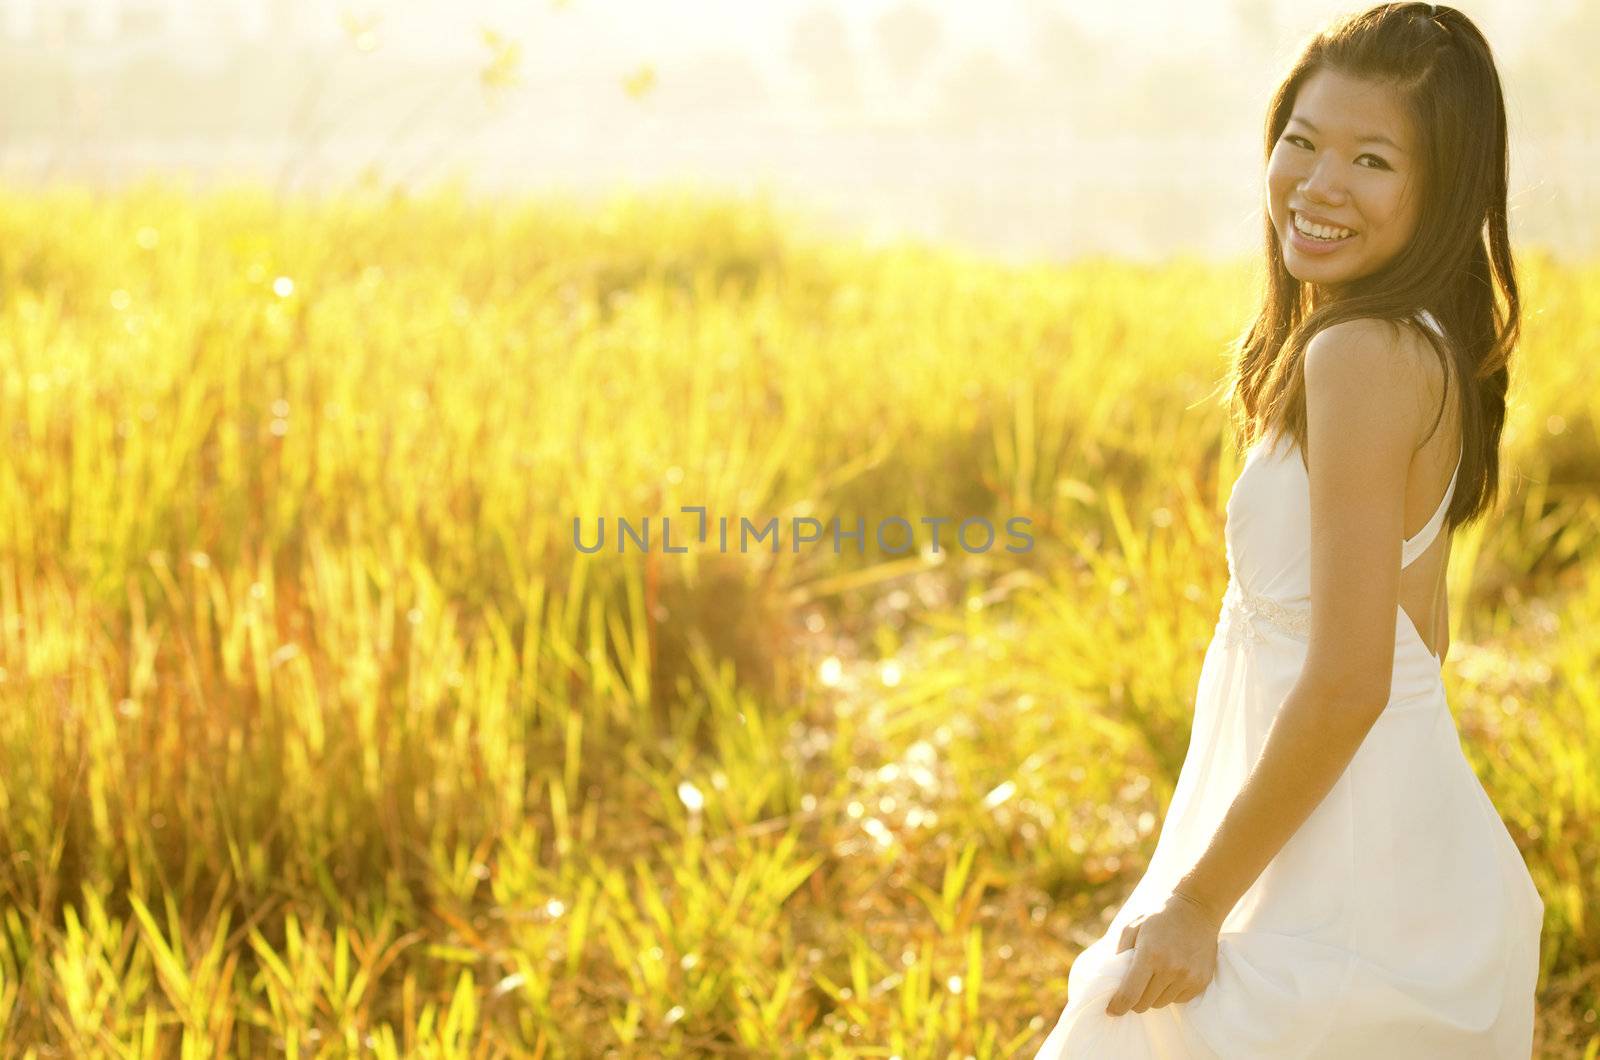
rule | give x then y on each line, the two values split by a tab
1275	166
1281	176
1409	211
1391	209
1276	180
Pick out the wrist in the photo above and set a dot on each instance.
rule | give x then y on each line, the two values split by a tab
1206	909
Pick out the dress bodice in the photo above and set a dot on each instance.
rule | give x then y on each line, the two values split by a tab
1268	538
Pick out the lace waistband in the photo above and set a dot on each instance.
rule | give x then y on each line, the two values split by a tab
1245	611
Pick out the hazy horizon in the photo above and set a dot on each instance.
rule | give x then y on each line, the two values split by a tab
1026	129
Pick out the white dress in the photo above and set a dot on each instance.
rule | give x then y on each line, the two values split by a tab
1399	922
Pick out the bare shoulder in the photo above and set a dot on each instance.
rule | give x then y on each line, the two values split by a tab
1365	371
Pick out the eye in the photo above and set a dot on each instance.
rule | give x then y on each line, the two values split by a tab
1302	141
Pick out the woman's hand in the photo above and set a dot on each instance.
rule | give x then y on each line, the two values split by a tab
1174	956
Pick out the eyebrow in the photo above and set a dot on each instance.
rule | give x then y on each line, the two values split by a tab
1370	138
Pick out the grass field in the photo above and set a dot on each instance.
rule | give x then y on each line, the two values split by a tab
321	737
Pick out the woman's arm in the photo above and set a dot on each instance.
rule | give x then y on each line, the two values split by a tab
1365	412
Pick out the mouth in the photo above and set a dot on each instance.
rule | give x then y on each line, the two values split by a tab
1317	234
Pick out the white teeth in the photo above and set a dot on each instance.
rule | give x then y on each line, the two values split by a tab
1320	231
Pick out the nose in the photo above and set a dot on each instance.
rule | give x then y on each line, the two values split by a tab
1323	184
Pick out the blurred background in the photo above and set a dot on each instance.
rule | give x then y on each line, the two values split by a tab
1026	128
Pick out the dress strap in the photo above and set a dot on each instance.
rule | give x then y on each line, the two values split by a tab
1416	546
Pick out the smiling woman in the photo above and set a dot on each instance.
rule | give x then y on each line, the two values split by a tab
1341	181
1331	880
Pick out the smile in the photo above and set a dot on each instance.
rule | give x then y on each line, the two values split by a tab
1321	233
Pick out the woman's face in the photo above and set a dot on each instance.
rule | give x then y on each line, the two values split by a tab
1332	164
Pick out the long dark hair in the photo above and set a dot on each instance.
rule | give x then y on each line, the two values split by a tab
1442	68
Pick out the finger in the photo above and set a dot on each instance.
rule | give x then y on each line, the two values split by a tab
1154	988
1130	936
1172	994
1131	989
1201	983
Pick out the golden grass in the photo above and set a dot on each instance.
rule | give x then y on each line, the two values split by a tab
320	736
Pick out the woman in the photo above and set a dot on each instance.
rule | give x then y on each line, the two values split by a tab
1331	879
